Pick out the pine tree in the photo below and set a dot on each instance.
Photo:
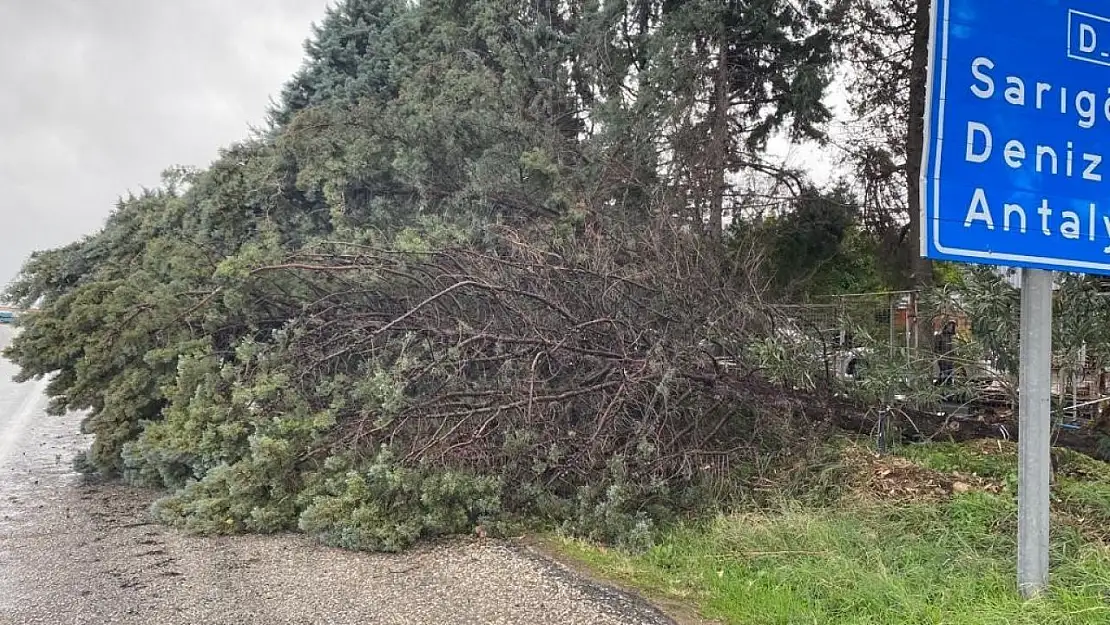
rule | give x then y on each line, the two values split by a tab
352	55
728	75
885	43
190	326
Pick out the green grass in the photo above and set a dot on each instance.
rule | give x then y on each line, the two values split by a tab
996	460
876	562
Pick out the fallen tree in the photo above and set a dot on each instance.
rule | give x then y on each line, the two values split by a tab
569	378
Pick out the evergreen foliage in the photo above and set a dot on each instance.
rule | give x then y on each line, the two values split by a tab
455	281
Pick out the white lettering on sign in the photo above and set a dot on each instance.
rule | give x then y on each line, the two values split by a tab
1088	38
1053	155
1083	104
1046	159
1070	224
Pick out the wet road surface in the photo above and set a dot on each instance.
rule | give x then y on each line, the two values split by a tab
77	552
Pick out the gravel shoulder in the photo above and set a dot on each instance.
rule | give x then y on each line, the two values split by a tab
79	552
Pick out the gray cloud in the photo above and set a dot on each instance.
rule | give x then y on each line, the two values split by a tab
97	97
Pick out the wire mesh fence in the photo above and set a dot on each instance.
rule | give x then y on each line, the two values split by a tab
934	345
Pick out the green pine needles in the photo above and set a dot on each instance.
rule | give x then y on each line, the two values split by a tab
466	277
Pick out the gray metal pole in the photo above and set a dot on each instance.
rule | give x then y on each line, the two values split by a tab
1034	430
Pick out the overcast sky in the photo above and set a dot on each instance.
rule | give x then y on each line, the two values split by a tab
99	96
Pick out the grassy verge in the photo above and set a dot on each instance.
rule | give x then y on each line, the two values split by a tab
943	553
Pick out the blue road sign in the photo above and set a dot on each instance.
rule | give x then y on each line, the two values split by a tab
1016	169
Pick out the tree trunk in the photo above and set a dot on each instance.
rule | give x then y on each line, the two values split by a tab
920	269
719	146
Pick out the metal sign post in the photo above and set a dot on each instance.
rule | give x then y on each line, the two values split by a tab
1034	431
1016	172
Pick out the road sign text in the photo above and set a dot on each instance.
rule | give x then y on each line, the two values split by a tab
1027	123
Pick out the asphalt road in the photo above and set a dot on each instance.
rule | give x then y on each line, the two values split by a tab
76	552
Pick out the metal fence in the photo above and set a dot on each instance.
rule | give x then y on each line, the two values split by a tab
898	324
